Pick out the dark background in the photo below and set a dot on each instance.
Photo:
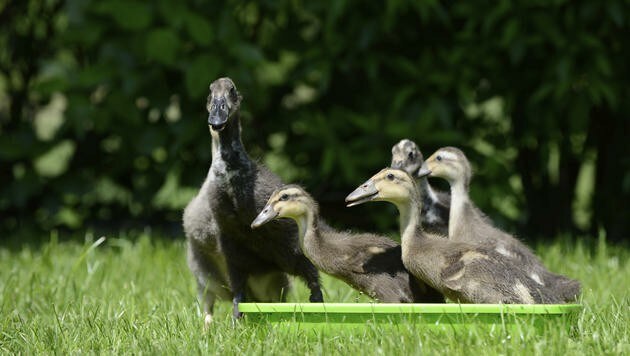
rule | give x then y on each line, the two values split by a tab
103	122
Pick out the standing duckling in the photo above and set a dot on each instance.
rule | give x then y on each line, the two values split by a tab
468	223
369	263
464	272
227	258
435	204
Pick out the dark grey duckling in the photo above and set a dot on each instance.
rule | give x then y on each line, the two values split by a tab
435	204
221	245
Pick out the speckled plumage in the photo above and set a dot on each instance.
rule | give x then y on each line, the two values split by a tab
223	251
468	223
462	271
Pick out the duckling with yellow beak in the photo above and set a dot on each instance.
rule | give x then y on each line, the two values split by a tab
369	263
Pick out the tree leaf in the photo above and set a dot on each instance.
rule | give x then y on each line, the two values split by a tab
162	46
130	15
200	73
199	29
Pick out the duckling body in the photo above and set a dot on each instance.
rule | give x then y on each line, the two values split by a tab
468	223
462	271
435	203
221	245
472	273
369	263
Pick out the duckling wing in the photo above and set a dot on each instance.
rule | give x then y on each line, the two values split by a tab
483	276
374	254
461	272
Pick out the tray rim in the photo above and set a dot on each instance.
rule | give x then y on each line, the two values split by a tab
402	308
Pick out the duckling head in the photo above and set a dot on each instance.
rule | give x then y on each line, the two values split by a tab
290	201
449	163
406	156
390	184
223	101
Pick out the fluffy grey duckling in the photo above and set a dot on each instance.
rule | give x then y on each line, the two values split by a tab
367	262
464	272
468	223
223	251
435	204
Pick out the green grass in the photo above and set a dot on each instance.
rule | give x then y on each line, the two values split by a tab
132	296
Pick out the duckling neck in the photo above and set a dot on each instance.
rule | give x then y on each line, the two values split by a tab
308	232
227	147
459	202
410	219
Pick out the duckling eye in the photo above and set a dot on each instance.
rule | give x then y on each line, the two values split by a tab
439	158
410	155
212	107
390	176
222	106
284	197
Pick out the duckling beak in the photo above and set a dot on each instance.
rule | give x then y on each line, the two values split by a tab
424	171
217	118
366	192
265	216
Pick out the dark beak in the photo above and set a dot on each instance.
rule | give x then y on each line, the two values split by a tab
265	216
364	193
217	119
424	171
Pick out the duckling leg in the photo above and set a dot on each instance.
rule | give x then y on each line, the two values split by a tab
238	297
310	275
208	299
210	277
238	281
316	293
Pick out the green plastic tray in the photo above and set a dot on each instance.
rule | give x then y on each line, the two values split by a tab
304	316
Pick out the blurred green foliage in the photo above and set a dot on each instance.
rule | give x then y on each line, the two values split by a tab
102	118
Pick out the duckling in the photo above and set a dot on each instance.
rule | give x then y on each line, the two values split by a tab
464	272
367	262
435	205
221	245
468	223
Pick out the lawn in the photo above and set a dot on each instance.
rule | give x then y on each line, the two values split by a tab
134	294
